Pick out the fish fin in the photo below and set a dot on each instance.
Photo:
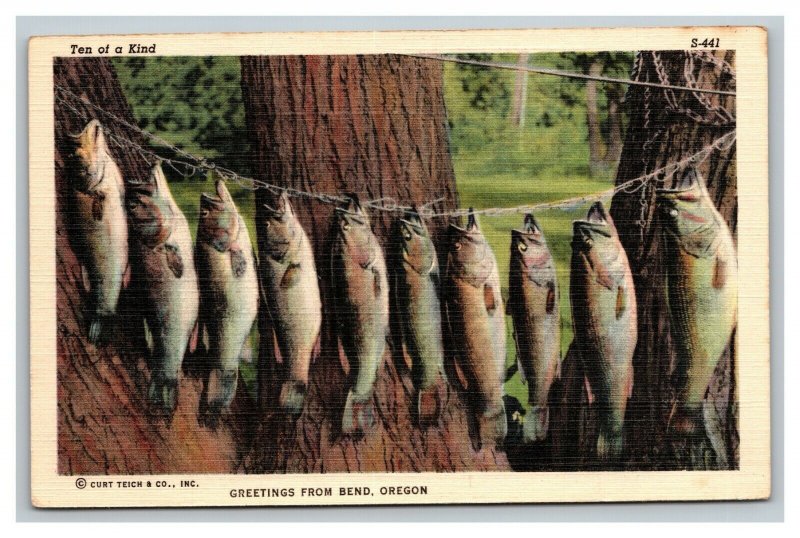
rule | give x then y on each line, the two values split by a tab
713	426
406	356
98	201
316	350
238	262
621	302
376	286
85	280
536	424
720	274
630	383
343	360
292	396
550	302
604	279
513	370
246	354
148	336
588	387
488	298
462	379
193	337
291	276
126	277
174	259
358	414
429	405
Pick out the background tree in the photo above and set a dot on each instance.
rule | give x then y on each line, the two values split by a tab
665	126
375	126
603	105
194	102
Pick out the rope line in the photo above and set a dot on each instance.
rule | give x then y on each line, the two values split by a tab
567	74
191	164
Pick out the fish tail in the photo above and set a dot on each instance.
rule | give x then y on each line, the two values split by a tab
609	443
95	329
163	393
429	405
536	423
222	389
292	395
358	414
495	422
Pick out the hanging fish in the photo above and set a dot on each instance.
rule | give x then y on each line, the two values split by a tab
101	226
292	296
604	321
228	285
165	265
533	306
702	287
476	320
362	289
418	302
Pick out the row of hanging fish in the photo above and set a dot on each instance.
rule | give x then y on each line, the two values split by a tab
208	295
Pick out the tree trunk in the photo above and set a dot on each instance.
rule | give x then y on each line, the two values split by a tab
374	126
103	423
615	140
593	120
665	126
520	94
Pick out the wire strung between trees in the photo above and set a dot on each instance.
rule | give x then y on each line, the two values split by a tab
566	74
189	164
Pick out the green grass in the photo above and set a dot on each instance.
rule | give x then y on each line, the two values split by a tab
505	190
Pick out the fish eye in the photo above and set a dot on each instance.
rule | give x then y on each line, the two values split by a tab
522	246
673	212
407	235
267	224
204	213
345	225
457	246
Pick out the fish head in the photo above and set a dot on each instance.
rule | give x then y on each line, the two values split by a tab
467	249
91	154
686	208
281	227
528	245
415	242
148	214
218	225
353	229
595	233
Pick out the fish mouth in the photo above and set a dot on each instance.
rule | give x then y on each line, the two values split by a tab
530	230
684	188
212	202
596	221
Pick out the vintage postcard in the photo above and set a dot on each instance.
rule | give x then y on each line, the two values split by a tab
399	267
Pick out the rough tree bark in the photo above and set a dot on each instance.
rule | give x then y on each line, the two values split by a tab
375	126
665	127
615	135
103	423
